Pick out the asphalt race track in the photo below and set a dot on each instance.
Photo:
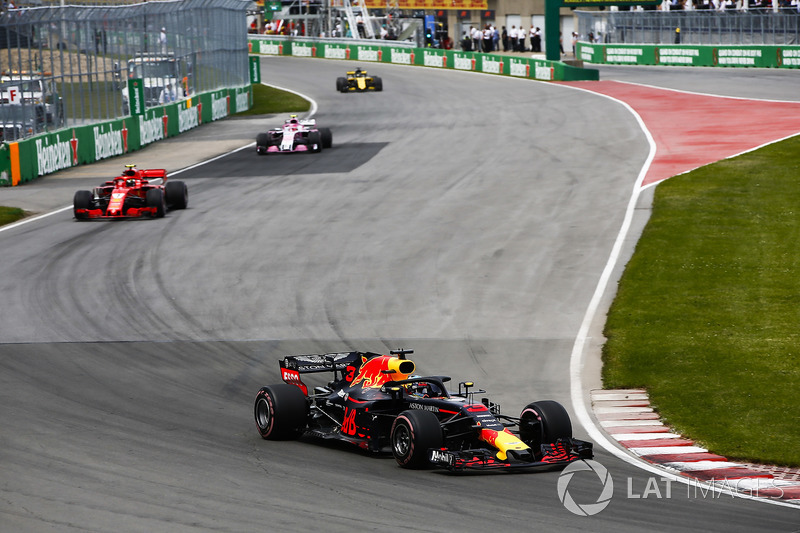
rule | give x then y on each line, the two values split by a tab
465	216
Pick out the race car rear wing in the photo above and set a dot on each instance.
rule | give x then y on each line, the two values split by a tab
294	365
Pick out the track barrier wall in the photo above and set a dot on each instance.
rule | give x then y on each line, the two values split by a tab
522	67
764	56
50	152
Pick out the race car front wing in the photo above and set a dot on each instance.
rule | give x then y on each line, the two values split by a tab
554	456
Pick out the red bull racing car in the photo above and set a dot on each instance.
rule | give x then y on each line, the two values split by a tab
135	193
295	136
376	402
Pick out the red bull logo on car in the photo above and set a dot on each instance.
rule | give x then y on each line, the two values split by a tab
378	371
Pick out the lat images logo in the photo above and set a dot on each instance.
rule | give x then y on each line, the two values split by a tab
587	509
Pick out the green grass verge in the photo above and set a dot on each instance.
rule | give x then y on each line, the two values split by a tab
10	214
268	100
707	314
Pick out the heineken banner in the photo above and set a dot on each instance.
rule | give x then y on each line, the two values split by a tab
50	152
691	55
539	69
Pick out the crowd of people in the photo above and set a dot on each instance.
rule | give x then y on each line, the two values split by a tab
489	39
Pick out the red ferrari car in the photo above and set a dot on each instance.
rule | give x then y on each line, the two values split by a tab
135	193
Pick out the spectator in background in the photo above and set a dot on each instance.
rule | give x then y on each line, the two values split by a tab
537	40
521	34
504	38
574	43
162	39
512	37
477	38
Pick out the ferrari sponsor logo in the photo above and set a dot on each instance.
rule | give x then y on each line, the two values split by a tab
107	144
422	407
53	157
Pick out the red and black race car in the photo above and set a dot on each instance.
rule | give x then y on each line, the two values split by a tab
377	403
135	193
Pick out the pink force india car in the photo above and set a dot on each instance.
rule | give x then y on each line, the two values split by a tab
294	136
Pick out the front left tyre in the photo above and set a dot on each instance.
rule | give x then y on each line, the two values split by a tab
177	194
281	412
326	136
81	200
155	198
413	434
544	422
262	143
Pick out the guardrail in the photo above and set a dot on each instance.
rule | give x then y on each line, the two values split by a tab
50	152
521	67
690	55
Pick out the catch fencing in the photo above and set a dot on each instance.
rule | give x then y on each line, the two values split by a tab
693	27
67	66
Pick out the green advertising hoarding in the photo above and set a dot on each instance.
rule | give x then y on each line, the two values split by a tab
136	96
50	152
691	55
540	69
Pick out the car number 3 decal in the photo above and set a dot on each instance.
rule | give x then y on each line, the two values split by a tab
349	422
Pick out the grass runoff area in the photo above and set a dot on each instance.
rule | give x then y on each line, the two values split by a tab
268	100
10	214
707	316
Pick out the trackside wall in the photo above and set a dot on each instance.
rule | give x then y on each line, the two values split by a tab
521	67
763	56
50	152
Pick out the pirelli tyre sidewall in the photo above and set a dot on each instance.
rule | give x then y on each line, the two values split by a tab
413	434
177	194
81	200
544	422
281	412
155	198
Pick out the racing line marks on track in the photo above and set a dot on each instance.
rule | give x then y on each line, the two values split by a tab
629	419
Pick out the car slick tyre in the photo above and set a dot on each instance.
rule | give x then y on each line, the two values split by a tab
377	83
281	412
177	194
326	136
262	142
81	200
544	422
155	198
413	434
315	141
341	84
